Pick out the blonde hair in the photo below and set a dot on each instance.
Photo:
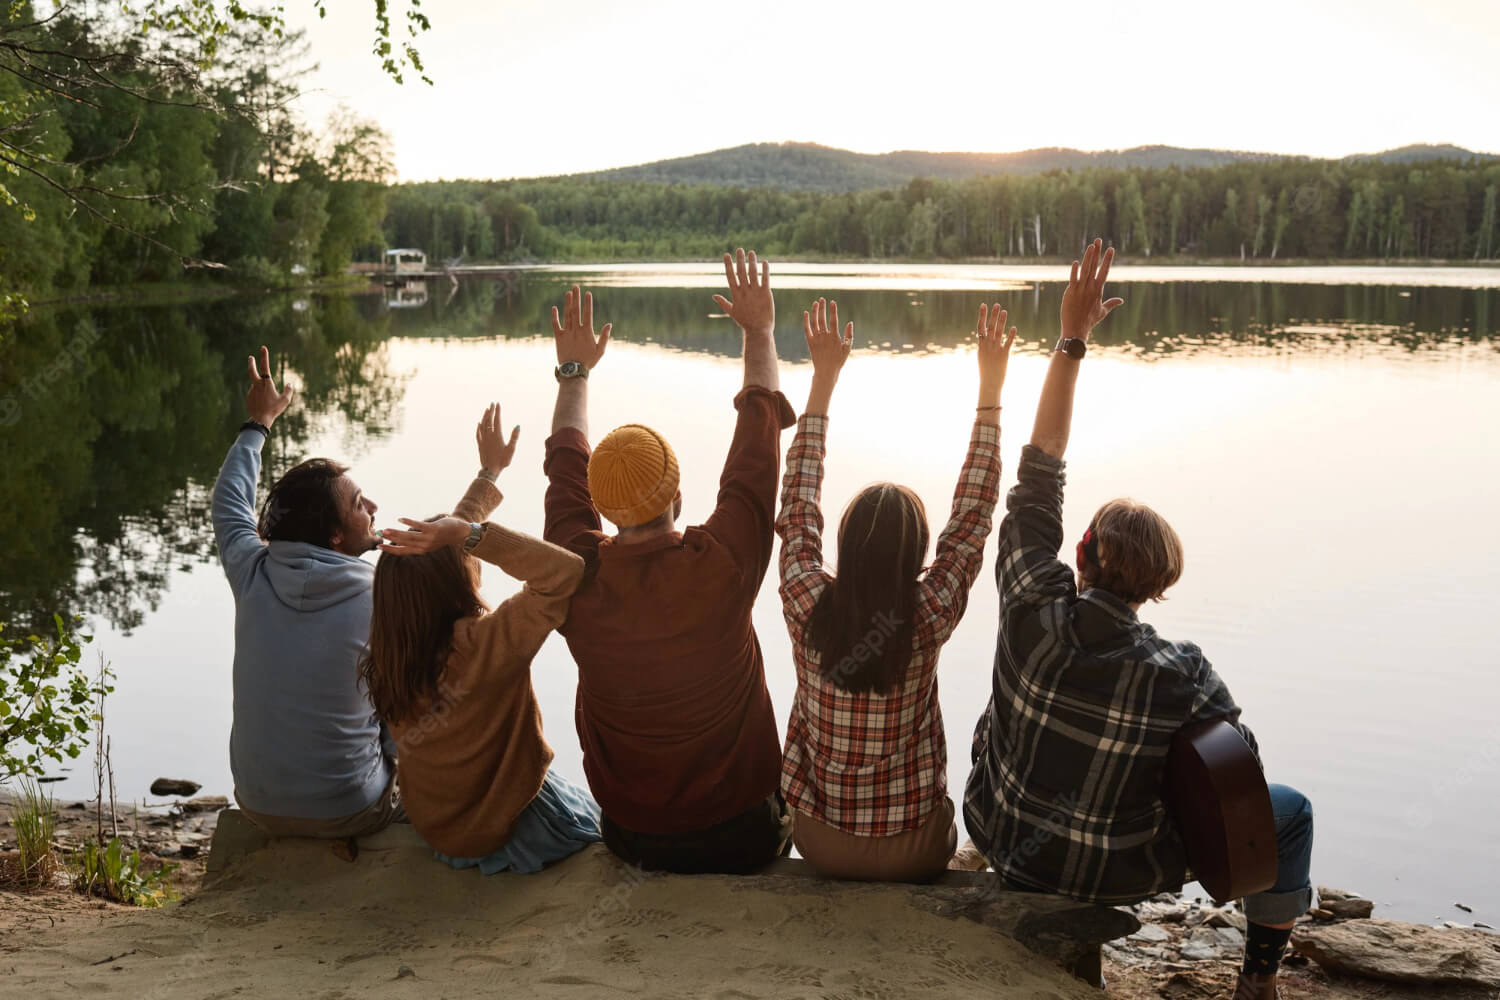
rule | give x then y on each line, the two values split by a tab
1140	556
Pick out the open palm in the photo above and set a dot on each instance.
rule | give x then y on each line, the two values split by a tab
1083	306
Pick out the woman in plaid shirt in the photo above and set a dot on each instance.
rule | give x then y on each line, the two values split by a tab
866	759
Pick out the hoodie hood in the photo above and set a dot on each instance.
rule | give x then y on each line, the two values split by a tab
308	577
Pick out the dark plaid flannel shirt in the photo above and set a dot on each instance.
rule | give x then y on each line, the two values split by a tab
1066	791
870	764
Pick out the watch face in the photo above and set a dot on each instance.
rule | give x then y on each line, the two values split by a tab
1075	348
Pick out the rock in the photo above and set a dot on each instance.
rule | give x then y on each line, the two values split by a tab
205	803
1161	913
1483	926
405	972
1325	893
1151	932
1202	944
1321	914
174	786
1349	909
1226	918
1230	938
188	851
1466	909
1403	953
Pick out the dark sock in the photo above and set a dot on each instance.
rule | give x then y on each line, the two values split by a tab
1263	948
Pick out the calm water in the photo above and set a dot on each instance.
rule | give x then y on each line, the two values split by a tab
1324	441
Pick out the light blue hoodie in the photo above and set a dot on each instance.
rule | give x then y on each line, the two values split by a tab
305	742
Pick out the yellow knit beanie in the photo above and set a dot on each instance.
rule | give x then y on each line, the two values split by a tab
633	475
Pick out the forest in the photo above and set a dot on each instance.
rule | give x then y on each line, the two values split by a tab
137	156
131	156
1262	210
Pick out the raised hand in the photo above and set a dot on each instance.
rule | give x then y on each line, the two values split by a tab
750	289
1082	308
423	536
495	453
829	349
994	351
574	331
263	401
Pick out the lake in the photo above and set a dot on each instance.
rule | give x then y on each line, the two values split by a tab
1324	440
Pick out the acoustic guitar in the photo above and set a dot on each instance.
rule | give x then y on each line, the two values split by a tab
1217	793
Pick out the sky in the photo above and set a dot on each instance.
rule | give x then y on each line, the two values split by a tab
524	89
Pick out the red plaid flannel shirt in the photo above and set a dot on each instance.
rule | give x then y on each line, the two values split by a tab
868	764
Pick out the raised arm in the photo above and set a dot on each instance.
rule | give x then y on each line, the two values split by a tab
1083	309
944	593
754	309
1032	534
800	523
744	515
578	353
570	515
495	453
234	491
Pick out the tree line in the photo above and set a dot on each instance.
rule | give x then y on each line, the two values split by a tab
1255	211
128	155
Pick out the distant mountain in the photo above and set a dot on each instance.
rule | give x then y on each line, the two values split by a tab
802	166
1423	151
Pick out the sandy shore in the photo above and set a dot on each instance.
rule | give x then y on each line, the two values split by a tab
296	921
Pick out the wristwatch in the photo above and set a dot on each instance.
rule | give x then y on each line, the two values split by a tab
493	477
476	532
1073	347
571	369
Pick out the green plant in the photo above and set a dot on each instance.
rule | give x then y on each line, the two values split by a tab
34	822
46	700
109	872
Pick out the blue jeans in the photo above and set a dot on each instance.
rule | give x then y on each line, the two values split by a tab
1292	894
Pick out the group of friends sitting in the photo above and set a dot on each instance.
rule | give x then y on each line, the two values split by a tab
369	694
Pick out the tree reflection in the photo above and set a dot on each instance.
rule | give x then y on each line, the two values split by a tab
110	453
113	420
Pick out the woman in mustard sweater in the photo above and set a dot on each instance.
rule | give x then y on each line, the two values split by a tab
451	679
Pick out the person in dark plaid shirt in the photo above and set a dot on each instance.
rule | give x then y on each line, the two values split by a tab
1069	757
865	764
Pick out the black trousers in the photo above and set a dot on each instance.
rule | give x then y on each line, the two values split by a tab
737	846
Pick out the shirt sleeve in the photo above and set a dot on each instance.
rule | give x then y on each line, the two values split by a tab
1026	565
944	593
479	501
550	573
744	517
233	509
1213	701
571	520
800	523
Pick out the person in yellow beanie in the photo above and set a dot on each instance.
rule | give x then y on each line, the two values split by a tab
680	744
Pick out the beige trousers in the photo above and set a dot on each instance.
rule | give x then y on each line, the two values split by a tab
919	855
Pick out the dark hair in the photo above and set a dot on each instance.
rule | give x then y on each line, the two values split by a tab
416	602
862	624
303	505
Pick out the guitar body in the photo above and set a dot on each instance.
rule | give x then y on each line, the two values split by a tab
1216	792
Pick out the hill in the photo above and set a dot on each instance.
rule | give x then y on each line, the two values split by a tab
802	166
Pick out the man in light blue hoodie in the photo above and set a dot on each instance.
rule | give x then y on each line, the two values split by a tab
305	747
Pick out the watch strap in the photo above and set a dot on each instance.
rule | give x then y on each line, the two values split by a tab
486	474
575	369
476	532
256	425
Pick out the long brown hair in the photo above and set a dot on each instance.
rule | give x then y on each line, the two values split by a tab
416	602
862	624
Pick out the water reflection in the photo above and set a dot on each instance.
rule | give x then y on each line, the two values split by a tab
113	419
109	448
